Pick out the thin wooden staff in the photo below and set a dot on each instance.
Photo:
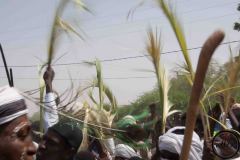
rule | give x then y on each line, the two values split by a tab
11	77
5	66
205	56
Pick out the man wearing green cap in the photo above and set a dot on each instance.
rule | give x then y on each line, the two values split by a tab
61	142
62	139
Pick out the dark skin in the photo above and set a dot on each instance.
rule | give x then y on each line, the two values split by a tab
48	78
54	147
16	140
95	143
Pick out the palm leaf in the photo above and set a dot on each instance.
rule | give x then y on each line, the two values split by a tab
84	144
223	90
176	26
68	28
90	94
56	24
206	94
153	48
233	72
132	10
111	98
100	82
99	114
81	5
42	89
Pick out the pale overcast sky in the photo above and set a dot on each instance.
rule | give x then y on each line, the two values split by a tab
25	26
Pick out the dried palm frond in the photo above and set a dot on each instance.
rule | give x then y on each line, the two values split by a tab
232	78
222	91
132	10
90	118
103	89
84	143
59	24
81	5
42	89
188	69
100	113
207	92
100	83
153	48
176	26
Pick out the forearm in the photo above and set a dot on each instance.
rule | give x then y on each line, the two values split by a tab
48	87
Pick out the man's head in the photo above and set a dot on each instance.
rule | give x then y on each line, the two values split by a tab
170	145
152	108
61	142
15	129
124	152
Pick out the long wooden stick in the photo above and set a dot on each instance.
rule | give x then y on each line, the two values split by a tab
205	56
11	77
5	65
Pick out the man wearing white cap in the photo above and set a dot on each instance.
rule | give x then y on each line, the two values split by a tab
124	152
170	144
15	129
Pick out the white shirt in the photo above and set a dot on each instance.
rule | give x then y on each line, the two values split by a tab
50	115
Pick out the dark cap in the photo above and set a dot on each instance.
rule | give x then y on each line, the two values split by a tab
70	131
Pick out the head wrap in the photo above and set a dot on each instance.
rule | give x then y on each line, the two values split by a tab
173	142
126	121
12	104
125	151
70	132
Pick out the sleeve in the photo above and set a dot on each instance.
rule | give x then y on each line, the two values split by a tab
228	122
109	144
50	115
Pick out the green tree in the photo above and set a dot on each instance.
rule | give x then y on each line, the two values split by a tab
178	94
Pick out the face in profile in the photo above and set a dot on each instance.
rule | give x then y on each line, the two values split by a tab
16	140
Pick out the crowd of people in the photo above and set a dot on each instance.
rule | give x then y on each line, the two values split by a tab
62	138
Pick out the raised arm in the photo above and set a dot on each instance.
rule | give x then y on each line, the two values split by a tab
50	115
